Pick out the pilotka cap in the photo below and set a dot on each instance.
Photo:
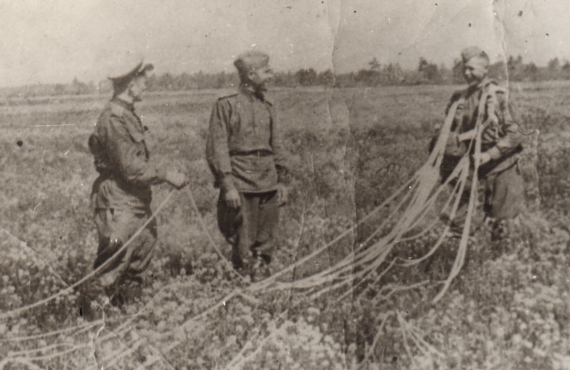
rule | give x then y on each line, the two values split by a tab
473	52
251	60
127	66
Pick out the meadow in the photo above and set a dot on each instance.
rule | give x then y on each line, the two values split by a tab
351	149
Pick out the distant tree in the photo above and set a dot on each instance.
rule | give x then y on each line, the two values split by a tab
166	82
326	78
78	88
428	70
220	80
530	72
445	73
498	71
59	89
457	71
515	67
393	74
285	79
368	77
345	80
554	64
374	64
306	77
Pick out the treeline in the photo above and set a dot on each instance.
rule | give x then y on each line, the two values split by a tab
375	75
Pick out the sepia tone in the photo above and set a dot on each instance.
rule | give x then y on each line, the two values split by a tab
284	185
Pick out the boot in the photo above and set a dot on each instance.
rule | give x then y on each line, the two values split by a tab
91	299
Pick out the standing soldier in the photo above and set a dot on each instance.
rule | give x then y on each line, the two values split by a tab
246	155
121	195
501	194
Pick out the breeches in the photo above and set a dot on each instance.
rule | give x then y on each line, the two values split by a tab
115	228
251	228
500	196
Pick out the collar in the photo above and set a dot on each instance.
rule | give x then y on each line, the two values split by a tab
481	85
129	106
251	93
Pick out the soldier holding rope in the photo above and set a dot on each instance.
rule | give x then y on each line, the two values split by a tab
501	194
121	195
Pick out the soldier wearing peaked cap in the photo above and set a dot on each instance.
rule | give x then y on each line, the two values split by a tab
121	195
246	155
501	194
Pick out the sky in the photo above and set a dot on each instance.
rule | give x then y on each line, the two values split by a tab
55	41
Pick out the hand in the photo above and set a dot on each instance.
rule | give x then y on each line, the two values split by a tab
482	158
176	179
282	195
232	198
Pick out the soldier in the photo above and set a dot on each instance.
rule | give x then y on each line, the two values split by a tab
121	195
501	192
246	155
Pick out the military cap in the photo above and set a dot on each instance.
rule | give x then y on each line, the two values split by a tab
127	66
251	60
474	52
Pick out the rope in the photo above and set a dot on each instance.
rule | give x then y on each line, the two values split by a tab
44	260
7	314
210	238
420	196
462	250
51	333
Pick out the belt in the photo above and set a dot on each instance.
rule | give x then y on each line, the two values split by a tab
253	153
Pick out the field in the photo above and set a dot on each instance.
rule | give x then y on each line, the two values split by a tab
351	149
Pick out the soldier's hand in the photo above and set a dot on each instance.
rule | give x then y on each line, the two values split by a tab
232	198
176	179
493	120
282	195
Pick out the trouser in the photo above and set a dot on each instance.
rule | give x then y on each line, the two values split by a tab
251	228
121	276
500	196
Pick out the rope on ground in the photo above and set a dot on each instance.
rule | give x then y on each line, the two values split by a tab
210	238
44	260
379	333
5	315
420	196
263	284
462	250
52	333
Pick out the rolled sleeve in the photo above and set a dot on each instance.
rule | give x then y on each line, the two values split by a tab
511	138
280	154
217	150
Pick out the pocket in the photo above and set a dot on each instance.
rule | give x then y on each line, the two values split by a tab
136	136
453	147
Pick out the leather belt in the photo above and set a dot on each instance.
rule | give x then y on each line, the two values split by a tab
253	153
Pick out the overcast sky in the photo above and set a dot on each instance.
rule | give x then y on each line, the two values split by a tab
53	41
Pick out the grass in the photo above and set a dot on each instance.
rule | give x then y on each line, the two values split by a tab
350	150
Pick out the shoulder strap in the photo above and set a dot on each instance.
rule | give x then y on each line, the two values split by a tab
227	96
116	109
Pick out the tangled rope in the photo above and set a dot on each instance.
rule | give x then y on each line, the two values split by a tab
70	288
416	199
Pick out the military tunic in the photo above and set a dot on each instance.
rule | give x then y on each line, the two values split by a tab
501	190
245	152
121	195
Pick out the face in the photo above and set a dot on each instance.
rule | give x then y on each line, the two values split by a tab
138	86
260	77
474	71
